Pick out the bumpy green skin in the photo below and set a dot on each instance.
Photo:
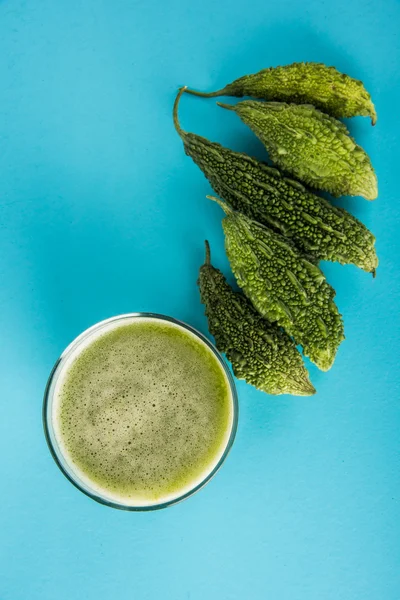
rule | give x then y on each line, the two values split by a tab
283	286
312	146
325	87
260	352
262	193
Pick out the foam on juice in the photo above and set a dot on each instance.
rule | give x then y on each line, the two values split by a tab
142	411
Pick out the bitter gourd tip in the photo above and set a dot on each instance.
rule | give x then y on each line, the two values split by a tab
303	386
175	110
324	359
373	115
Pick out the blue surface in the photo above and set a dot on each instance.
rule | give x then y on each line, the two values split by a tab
102	213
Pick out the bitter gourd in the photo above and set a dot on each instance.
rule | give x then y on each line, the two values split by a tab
325	87
260	352
283	286
311	145
262	193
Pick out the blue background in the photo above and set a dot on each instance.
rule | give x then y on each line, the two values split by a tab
102	213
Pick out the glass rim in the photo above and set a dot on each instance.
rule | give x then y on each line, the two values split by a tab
62	462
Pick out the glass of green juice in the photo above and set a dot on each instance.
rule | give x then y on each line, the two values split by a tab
140	411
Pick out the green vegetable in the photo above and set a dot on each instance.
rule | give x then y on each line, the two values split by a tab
260	352
304	83
262	193
311	146
283	286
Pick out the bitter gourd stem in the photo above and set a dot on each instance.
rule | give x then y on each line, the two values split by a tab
175	110
208	253
227	106
227	209
206	94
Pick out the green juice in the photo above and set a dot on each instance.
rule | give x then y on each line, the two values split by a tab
143	412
